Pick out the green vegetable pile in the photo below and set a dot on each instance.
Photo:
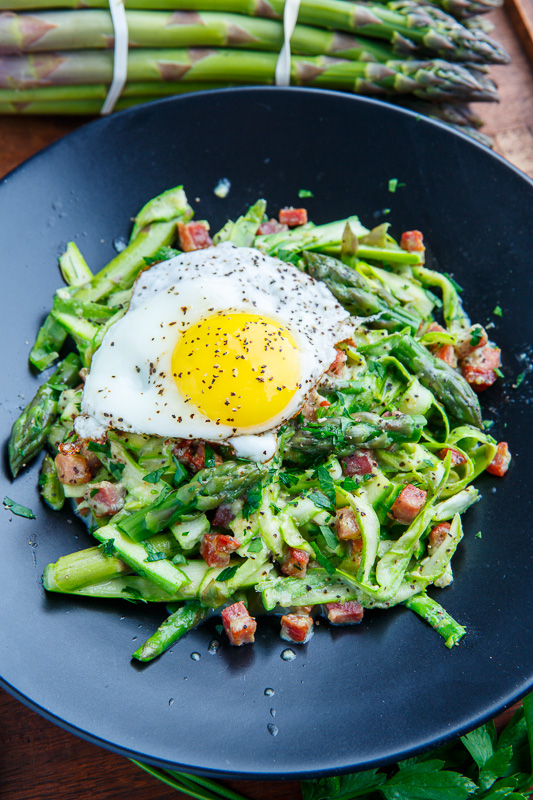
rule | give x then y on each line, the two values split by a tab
483	764
57	58
392	400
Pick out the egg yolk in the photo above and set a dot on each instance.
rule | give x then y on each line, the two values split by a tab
238	369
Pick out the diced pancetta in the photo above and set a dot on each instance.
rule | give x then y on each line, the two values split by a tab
479	367
223	516
293	217
337	366
271	226
437	535
348	613
412	241
193	236
408	504
296	628
216	548
361	462
295	562
108	499
456	457
72	469
500	463
240	627
346	524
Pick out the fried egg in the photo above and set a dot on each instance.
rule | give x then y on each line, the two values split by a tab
221	344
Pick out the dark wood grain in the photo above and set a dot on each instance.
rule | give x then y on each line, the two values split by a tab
40	761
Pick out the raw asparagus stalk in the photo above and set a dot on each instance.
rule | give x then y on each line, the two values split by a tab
92	566
172	629
208	489
93	29
367	430
408	31
462	9
425	79
30	431
437	617
355	294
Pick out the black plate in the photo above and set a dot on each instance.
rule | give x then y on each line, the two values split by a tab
352	697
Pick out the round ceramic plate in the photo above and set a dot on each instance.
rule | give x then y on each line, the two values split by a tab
351	697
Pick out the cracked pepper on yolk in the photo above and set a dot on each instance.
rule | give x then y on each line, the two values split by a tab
238	369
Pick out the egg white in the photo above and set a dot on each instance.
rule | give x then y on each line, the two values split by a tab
130	385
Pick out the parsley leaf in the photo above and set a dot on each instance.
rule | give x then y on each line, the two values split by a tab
253	500
97	447
329	537
519	380
479	535
498	311
179	558
116	469
255	546
227	573
181	473
326	484
305	193
427	780
377	367
288	479
476	336
321	500
133	595
349	485
16	508
153	477
322	560
108	547
209	456
163	254
153	554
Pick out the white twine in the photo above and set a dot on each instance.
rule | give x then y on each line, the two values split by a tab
120	57
283	65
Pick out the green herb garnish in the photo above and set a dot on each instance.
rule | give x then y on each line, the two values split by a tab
209	456
227	573
498	311
16	508
255	546
116	469
476	336
305	193
154	477
163	254
153	554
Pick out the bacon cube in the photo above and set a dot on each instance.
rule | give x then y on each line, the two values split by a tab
313	402
457	458
223	516
437	536
193	236
446	353
240	627
215	548
412	241
296	628
478	368
108	499
349	613
295	563
408	504
337	366
346	524
72	469
464	347
272	226
361	462
193	456
500	463
293	217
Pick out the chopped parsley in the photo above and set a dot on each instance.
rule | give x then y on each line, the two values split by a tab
227	573
116	469
108	547
163	254
498	311
479	535
253	500
326	484
255	546
321	500
97	447
476	336
133	595
394	184
329	537
305	193
181	473
209	456
154	477
179	558
153	554
519	380
16	508
322	560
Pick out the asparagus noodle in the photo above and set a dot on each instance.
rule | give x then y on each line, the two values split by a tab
31	429
426	79
73	266
172	629
365	431
48	343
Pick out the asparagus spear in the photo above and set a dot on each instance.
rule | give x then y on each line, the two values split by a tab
408	30
172	629
425	79
367	430
30	431
50	486
93	29
208	489
355	294
462	9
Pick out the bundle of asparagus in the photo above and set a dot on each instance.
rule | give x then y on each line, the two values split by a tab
60	59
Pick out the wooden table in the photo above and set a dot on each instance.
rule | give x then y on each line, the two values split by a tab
39	761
